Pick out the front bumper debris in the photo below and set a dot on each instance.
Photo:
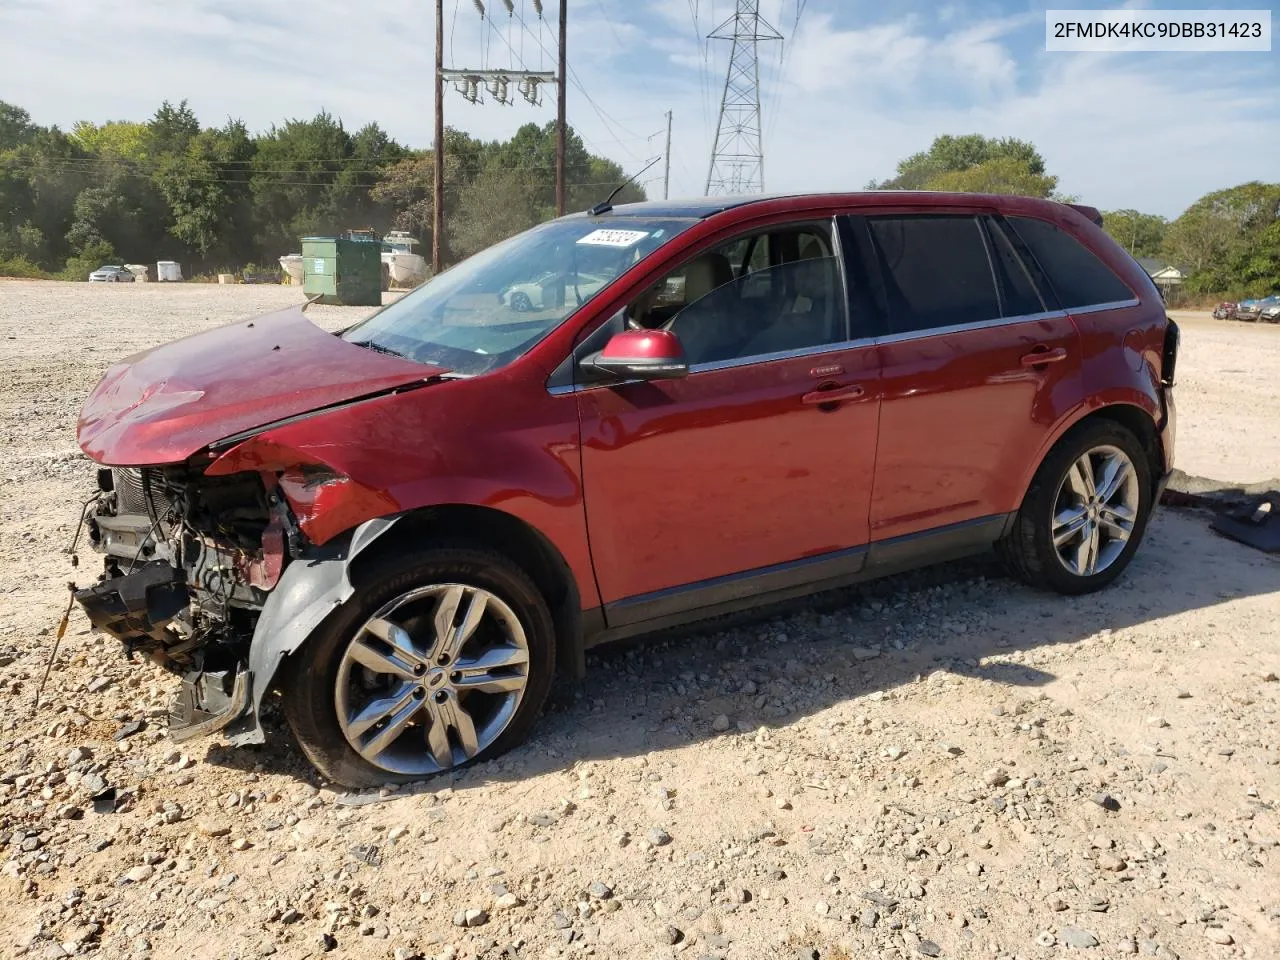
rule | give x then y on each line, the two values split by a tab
207	702
137	608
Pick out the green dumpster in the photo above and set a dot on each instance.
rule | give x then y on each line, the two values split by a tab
347	273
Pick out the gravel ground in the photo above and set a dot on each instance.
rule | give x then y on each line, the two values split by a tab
940	764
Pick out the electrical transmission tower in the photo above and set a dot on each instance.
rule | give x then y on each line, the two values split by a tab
737	159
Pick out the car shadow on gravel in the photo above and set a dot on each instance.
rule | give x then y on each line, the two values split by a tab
777	665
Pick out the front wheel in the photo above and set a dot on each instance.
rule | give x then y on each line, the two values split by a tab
442	658
1085	513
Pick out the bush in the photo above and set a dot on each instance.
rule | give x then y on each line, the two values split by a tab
23	268
94	255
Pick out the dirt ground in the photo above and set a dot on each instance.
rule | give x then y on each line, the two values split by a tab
941	764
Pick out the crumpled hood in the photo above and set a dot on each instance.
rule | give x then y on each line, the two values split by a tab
165	404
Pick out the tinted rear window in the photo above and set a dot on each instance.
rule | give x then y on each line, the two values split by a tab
1078	277
936	271
1018	294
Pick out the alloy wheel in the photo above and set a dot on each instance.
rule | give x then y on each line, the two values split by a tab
1096	510
432	678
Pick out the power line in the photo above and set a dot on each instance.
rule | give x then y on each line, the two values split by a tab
612	30
702	65
453	26
775	112
573	78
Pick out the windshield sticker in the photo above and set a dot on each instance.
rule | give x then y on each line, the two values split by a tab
614	238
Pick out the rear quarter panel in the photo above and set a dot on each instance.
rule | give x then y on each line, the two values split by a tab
1122	347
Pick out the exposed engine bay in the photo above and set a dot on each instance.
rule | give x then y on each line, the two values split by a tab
189	561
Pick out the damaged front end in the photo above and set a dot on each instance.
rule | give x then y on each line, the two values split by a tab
189	563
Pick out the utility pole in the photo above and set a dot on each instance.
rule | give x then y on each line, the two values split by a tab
666	173
737	159
560	107
437	213
472	84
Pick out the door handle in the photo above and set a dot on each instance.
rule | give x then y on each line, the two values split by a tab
833	394
1037	357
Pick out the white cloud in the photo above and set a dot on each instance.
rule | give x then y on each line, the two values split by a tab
1120	130
1149	131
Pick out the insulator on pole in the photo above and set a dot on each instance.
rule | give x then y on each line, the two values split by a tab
479	6
537	5
511	7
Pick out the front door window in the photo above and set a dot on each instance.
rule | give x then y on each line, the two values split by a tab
767	293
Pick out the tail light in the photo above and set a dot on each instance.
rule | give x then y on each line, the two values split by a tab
1169	359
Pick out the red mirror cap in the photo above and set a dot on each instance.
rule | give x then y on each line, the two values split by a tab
644	346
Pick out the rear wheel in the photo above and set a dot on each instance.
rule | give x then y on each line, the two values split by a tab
444	659
1085	513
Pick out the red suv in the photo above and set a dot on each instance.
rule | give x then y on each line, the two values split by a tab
617	422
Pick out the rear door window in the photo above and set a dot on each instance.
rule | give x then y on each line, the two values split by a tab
936	271
1019	296
1078	277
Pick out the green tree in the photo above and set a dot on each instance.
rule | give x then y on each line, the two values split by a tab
999	175
951	154
213	197
294	171
115	139
39	183
1220	226
1257	267
588	179
498	204
1226	240
16	128
172	128
208	191
1142	234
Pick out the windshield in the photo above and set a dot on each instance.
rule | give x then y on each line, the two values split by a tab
493	307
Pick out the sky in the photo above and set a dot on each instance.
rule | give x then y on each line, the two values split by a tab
853	88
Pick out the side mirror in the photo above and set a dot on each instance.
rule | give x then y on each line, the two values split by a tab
643	355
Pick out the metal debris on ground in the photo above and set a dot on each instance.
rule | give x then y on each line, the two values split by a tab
1247	513
367	853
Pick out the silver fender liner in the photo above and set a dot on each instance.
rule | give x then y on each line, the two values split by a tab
310	589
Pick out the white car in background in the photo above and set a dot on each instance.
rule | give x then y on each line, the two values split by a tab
542	292
111	274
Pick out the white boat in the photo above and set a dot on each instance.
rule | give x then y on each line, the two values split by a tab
406	268
292	265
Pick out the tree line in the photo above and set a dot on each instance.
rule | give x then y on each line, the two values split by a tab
216	198
221	198
1227	243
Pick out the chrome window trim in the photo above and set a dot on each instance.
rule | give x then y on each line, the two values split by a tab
991	264
966	327
1004	321
814	351
714	365
863	342
842	271
1099	307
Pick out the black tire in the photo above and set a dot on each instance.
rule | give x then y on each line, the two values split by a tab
521	303
309	675
1028	551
